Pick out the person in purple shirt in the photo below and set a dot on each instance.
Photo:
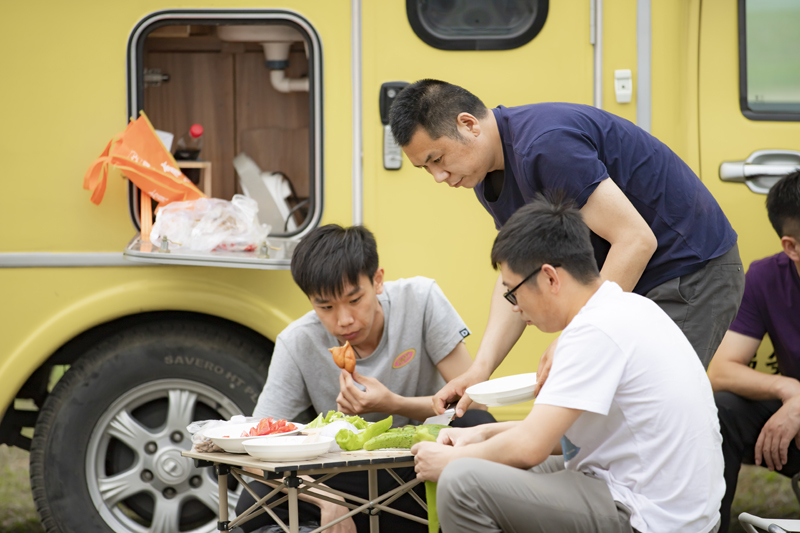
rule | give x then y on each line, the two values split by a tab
759	414
655	228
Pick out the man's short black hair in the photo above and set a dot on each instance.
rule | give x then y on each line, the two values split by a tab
546	232
434	105
783	206
330	257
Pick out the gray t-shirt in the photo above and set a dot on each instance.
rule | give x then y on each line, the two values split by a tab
420	329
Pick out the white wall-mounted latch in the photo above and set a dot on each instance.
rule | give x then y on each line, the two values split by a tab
623	85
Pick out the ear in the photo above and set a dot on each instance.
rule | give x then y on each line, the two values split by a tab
469	123
377	281
553	279
791	247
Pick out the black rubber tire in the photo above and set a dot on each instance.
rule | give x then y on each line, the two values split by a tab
228	358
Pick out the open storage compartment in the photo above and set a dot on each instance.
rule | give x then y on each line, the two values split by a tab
252	79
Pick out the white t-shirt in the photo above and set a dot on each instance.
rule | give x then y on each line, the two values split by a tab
650	427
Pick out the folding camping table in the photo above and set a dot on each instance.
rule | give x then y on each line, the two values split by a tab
285	477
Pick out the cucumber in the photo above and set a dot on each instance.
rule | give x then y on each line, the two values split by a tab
390	439
403	437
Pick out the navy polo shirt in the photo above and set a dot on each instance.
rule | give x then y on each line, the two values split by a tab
568	149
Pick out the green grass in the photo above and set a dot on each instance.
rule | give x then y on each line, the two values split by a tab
763	493
17	511
760	492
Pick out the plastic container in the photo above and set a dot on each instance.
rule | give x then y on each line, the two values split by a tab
189	145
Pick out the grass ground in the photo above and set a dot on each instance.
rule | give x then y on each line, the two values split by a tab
17	512
760	492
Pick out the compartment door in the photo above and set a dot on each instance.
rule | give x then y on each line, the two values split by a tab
749	110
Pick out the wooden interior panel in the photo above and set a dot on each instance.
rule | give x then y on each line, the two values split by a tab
200	90
280	150
226	88
272	127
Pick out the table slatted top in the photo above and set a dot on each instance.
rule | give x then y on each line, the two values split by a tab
328	460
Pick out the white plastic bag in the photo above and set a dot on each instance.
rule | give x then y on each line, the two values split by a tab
201	443
210	224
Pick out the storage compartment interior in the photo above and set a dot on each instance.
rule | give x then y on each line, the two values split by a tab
244	85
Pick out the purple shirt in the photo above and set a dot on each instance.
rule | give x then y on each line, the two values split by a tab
771	304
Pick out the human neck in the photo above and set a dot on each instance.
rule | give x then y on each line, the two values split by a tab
370	344
489	125
580	296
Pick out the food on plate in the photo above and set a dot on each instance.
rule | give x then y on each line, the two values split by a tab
344	357
269	426
333	416
347	440
394	438
404	437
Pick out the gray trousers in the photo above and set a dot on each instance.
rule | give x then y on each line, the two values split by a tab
475	495
704	303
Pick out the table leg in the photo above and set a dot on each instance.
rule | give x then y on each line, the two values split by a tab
374	520
292	482
222	479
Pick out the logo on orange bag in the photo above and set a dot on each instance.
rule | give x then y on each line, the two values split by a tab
404	358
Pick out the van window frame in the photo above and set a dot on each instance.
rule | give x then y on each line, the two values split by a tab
476	44
135	87
780	116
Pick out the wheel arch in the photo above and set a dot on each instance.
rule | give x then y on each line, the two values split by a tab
70	331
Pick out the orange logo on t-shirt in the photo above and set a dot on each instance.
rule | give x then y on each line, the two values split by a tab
404	358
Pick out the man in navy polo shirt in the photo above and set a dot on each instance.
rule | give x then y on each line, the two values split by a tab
656	229
759	414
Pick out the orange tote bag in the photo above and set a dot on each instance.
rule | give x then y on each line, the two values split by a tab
142	158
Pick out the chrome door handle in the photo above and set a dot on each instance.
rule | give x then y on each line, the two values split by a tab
761	170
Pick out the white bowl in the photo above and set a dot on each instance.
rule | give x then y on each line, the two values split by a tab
504	391
292	448
228	437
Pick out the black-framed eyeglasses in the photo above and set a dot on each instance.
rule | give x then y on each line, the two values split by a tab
511	297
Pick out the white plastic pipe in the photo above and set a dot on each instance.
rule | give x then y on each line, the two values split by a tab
287	85
280	52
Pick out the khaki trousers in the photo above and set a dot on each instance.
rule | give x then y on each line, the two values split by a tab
475	495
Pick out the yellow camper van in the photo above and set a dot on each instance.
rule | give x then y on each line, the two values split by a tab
109	349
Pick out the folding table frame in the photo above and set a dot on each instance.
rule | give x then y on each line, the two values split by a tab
285	477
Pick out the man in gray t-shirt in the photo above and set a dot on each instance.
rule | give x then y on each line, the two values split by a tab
407	339
421	329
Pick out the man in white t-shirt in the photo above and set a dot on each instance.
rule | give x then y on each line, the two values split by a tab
624	433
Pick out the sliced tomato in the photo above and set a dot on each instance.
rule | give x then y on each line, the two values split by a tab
279	424
263	426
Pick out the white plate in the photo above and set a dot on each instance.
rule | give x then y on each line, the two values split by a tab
228	437
282	449
504	391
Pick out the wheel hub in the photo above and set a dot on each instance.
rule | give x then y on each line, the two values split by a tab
171	468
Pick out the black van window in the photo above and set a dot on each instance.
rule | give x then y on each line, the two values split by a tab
476	24
769	63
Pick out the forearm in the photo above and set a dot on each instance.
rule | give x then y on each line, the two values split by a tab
416	408
627	260
506	447
752	384
503	330
491	430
